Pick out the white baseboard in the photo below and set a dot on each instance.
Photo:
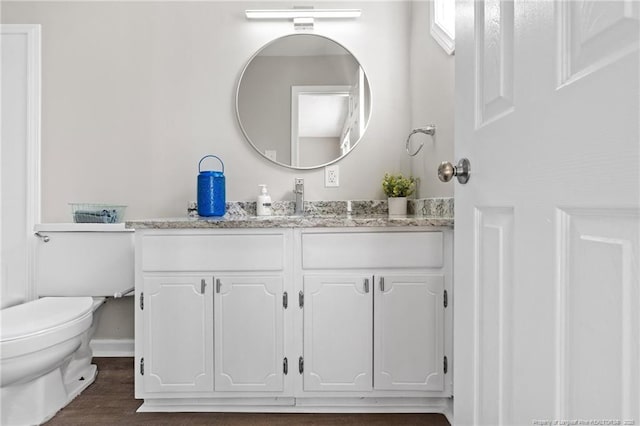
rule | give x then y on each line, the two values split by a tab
112	347
300	405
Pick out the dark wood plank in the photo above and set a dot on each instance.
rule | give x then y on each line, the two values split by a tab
109	401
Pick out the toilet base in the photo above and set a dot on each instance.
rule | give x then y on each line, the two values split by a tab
37	401
77	385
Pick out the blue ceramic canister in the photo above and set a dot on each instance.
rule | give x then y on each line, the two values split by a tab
211	190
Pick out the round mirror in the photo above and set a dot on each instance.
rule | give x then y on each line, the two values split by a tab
303	101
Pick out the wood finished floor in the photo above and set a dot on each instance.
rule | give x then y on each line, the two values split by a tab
109	401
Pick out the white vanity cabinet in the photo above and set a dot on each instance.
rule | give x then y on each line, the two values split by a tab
337	326
293	319
249	333
374	312
409	332
209	313
401	318
177	312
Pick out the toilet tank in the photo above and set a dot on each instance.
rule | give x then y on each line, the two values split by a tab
83	259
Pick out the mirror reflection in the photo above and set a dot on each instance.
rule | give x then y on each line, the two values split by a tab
303	101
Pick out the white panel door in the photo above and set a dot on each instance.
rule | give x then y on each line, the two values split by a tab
249	333
20	159
547	298
178	333
409	333
338	330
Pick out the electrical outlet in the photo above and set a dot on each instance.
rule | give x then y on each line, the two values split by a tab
332	176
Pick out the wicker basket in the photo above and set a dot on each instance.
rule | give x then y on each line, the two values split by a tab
97	213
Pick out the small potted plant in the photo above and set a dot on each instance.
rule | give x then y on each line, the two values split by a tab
398	188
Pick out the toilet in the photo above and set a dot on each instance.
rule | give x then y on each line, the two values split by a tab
45	357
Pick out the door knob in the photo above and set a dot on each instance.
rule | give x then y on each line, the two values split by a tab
446	171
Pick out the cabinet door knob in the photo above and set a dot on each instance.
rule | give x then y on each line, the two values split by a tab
203	284
366	285
218	285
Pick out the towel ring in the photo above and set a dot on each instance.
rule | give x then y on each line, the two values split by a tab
427	130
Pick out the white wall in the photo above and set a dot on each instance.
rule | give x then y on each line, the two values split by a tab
135	93
318	150
432	89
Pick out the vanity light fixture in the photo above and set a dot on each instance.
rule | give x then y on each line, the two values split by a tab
303	17
303	13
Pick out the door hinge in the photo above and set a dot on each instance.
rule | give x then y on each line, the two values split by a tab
301	299
285	301
301	365
142	366
285	366
141	301
445	299
446	365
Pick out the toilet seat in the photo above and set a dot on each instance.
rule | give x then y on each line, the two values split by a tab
35	325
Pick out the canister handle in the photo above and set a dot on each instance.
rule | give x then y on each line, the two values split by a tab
206	156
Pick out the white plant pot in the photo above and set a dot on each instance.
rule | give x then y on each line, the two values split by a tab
397	206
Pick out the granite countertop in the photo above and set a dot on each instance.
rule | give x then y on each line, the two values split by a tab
306	221
436	213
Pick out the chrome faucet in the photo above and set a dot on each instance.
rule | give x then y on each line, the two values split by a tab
299	191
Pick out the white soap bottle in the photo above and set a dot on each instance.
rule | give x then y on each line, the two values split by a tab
263	206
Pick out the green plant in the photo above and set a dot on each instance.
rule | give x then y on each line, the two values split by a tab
398	185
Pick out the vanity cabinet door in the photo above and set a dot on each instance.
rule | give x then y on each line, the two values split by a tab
409	332
178	333
249	333
338	312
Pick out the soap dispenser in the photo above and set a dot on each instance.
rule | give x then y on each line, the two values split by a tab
263	206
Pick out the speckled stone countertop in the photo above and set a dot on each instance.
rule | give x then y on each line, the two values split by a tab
435	213
289	222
